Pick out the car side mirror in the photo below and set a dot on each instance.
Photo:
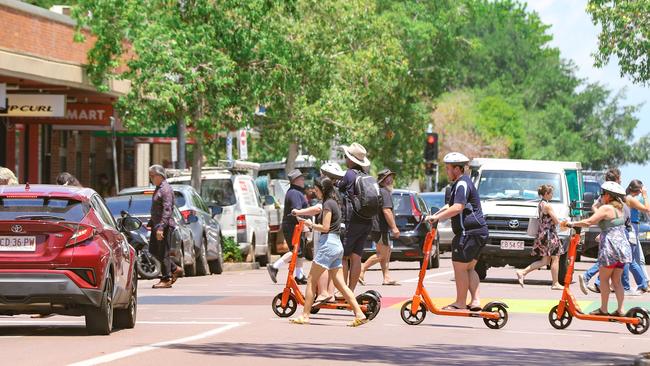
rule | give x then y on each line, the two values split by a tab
588	198
192	219
130	223
216	210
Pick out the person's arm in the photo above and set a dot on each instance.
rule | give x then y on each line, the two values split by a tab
309	211
548	209
600	214
323	227
390	220
634	203
450	212
168	204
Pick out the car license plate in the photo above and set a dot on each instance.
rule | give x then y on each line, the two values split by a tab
512	244
18	243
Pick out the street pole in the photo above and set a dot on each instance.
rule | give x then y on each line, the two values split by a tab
436	185
181	144
114	138
428	183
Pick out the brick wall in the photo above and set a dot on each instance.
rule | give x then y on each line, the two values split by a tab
31	34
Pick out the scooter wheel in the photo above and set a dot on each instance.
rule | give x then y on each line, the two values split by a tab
413	319
559	323
284	312
644	320
372	303
495	307
374	293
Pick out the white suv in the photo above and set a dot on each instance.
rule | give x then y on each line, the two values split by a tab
236	204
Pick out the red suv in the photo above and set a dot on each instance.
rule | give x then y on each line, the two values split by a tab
61	252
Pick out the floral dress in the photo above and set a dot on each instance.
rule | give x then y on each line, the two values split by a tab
614	245
547	243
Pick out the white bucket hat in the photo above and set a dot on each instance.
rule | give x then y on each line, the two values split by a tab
357	154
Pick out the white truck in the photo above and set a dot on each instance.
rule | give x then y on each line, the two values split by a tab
508	191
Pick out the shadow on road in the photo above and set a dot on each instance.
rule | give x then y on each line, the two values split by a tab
429	354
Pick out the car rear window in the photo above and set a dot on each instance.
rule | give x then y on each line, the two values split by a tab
218	192
67	209
402	204
137	205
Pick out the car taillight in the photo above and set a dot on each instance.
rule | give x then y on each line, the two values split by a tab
415	211
241	222
81	234
187	213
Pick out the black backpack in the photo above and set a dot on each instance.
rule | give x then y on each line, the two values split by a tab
367	200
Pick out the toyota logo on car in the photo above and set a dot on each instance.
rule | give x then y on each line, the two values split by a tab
17	228
513	224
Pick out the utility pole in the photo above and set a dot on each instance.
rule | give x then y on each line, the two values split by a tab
431	157
113	139
181	144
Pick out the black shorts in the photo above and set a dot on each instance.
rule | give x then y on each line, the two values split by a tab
466	248
356	236
288	235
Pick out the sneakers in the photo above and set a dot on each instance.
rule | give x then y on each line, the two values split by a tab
163	284
631	292
583	284
594	288
273	273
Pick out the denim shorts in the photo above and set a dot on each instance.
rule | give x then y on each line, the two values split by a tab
330	251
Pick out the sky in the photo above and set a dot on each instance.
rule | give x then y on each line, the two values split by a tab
577	38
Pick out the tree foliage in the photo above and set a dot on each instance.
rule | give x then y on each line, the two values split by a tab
625	34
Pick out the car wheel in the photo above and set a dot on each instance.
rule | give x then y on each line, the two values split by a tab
435	259
481	269
263	260
202	268
99	320
125	318
563	268
216	266
429	262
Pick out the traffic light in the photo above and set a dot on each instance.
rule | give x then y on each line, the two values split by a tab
431	147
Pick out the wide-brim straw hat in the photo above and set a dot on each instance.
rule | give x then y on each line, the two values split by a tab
357	153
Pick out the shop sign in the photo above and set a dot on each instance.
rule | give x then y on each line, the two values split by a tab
84	114
35	105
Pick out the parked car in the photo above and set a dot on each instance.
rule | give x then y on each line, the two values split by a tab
234	201
409	210
139	206
272	192
436	200
61	252
508	190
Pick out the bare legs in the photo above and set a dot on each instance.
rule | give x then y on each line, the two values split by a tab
546	260
383	258
613	274
466	280
354	270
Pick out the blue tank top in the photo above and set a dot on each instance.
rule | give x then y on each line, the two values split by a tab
634	213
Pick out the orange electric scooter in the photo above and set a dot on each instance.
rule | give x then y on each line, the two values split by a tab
561	315
494	314
285	303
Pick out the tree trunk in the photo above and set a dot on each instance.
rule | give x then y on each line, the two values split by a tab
181	144
197	163
291	158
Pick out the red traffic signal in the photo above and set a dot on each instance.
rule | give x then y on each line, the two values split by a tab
431	147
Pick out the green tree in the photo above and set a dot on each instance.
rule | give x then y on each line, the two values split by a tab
202	62
625	34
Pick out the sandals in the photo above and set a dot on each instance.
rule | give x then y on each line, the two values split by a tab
474	308
598	312
557	287
520	279
362	282
617	313
357	322
319	302
299	320
452	307
391	283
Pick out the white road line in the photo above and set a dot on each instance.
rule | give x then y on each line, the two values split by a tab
136	350
428	276
548	334
148	322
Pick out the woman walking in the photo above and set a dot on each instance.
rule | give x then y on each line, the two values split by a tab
329	253
614	249
637	200
547	243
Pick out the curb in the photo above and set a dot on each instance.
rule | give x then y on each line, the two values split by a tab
240	266
643	359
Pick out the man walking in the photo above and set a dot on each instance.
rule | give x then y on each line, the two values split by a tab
357	228
387	228
294	199
162	226
470	231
